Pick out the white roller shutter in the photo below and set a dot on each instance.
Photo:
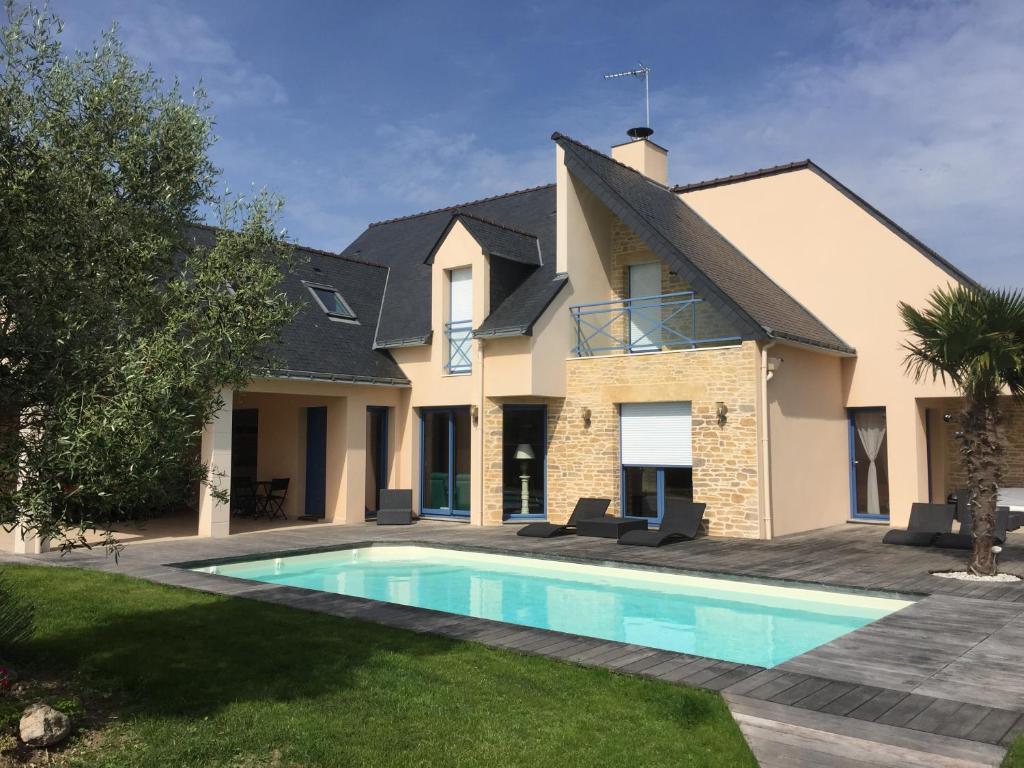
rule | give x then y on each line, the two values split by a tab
656	434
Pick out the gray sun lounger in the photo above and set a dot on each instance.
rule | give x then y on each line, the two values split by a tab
585	508
964	538
927	521
681	521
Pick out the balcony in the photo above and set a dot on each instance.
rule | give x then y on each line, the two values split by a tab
459	337
648	324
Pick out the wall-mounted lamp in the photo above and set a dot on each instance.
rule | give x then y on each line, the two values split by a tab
586	418
721	411
774	363
474	414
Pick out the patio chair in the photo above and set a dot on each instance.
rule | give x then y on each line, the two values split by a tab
1014	518
395	507
243	497
926	522
585	508
681	521
271	502
964	538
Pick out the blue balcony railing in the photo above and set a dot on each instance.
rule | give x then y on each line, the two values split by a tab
460	337
647	324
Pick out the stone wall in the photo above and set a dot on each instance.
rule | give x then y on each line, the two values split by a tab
1013	427
584	460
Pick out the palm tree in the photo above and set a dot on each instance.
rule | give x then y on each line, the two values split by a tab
974	339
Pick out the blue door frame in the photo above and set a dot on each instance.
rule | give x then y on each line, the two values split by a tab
316	462
448	512
381	463
660	479
543	514
852	441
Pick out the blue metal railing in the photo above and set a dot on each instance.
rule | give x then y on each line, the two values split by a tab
646	324
460	336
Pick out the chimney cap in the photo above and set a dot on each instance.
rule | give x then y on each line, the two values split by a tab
641	132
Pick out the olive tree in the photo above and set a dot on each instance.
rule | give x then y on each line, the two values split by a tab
117	327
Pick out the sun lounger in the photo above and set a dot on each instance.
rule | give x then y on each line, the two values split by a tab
584	508
681	521
926	522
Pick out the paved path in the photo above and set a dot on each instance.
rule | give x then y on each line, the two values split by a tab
939	683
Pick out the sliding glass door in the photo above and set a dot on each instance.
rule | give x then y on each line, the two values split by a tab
445	452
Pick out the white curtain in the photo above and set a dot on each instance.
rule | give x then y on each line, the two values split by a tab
871	431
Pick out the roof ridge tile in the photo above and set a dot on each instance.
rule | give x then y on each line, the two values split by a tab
457	206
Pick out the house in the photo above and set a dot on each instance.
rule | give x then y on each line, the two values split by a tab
735	341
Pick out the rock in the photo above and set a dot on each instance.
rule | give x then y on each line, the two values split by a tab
43	726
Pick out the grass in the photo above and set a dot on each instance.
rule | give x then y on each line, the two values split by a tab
204	680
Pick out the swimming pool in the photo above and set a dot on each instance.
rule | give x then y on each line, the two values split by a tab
740	621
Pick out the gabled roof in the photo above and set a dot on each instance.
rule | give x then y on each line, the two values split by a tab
697	252
405	245
498	240
312	345
951	269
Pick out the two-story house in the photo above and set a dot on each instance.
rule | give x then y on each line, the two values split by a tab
734	341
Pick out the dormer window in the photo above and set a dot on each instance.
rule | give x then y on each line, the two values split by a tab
331	301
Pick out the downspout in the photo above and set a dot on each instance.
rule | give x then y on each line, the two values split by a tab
767	526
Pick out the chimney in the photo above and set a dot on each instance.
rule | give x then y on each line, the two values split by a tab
643	155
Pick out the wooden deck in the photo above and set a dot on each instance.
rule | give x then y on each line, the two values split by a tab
938	683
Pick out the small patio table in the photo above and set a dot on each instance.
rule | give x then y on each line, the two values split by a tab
608	527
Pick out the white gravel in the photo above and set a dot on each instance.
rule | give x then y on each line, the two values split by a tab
965	576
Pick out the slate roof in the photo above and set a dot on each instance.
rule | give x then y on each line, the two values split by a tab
697	252
312	345
406	244
951	269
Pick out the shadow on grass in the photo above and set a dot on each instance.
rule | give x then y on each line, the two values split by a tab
203	651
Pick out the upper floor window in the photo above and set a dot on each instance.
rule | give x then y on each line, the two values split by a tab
459	328
331	301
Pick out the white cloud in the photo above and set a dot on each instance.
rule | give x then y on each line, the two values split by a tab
919	111
181	43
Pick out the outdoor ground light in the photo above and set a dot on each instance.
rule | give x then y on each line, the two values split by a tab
524	455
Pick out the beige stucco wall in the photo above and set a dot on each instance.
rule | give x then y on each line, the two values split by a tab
808	441
282	439
851	271
585	461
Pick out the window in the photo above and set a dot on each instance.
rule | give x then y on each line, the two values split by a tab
459	328
657	457
331	302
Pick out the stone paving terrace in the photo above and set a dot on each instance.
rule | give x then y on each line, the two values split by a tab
939	683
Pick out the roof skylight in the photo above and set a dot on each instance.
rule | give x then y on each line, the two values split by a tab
331	301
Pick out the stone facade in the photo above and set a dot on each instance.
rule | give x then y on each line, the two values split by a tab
584	460
1013	428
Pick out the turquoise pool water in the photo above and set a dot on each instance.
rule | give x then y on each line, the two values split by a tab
738	621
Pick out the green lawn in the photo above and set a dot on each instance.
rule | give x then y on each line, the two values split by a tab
201	680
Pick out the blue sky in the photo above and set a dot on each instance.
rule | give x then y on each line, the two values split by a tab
360	112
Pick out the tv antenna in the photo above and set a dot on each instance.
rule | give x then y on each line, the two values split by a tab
642	72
